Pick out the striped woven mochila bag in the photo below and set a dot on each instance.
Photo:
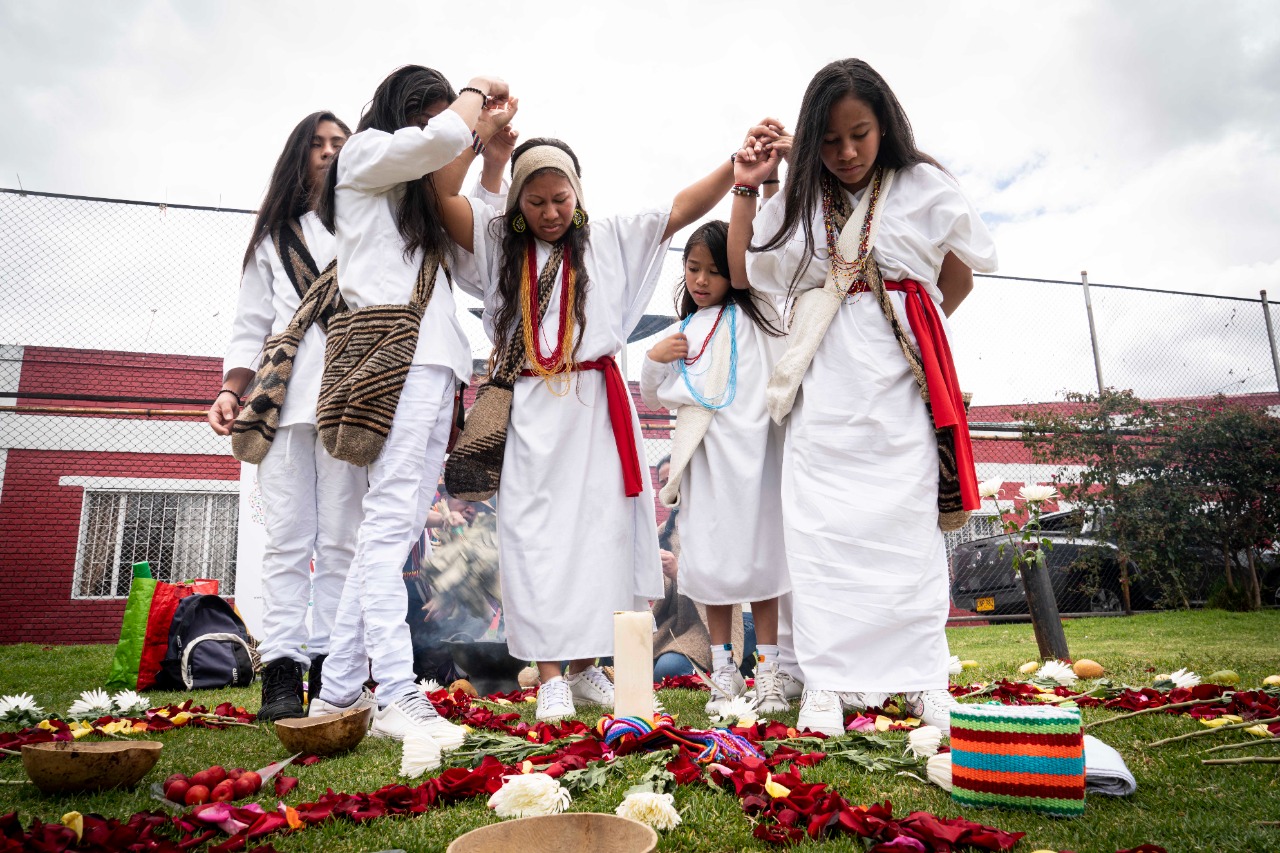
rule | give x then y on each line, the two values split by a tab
366	361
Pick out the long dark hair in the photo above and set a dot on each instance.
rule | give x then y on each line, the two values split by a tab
806	173
514	248
715	236
290	194
397	102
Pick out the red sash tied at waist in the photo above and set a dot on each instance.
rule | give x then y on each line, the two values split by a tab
624	435
940	375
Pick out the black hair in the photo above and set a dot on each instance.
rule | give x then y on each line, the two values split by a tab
514	247
290	193
398	102
715	236
806	173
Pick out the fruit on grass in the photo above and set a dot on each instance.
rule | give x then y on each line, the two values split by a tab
243	788
1029	667
1224	676
463	685
223	792
233	775
202	777
968	664
1271	681
1085	668
176	790
252	777
173	777
196	795
217	773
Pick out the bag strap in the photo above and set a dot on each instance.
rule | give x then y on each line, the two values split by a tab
426	284
295	257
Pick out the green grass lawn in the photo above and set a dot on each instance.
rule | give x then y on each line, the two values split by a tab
1180	804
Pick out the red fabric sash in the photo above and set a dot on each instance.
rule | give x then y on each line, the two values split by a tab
624	435
940	374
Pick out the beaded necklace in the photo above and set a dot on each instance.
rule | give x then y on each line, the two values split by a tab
835	213
731	386
710	334
560	361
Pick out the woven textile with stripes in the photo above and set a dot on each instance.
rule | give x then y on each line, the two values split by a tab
1028	757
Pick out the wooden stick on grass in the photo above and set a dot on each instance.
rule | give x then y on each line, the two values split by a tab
1210	731
1219	701
1252	759
1263	742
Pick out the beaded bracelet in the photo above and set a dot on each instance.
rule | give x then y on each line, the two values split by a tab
476	145
484	99
227	391
745	190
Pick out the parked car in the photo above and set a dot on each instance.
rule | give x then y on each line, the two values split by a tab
983	579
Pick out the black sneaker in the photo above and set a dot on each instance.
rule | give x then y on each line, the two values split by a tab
313	677
281	690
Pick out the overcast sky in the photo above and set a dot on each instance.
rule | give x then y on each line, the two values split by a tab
1138	140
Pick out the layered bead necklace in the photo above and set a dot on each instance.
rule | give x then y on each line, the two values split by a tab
725	397
534	297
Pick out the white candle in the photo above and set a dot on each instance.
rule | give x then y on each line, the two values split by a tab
633	664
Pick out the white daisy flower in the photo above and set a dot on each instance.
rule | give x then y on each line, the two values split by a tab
738	709
91	705
1038	494
430	685
924	741
656	810
1056	670
990	488
128	703
529	795
1184	678
938	768
953	666
21	709
421	753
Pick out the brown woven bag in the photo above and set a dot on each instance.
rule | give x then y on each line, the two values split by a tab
366	361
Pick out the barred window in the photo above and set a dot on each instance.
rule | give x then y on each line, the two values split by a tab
183	535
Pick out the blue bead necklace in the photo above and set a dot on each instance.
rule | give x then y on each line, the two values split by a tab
731	387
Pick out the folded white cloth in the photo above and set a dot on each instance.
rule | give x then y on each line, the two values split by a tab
1105	771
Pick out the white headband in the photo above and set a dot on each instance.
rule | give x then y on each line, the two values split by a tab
542	157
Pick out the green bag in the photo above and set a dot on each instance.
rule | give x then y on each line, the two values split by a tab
133	630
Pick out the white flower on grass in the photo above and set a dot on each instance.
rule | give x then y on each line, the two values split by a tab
1037	494
990	488
91	705
924	741
939	769
657	810
739	709
529	795
954	667
129	703
421	753
429	685
1184	678
1058	671
21	709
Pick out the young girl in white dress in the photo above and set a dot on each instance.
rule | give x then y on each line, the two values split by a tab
311	501
728	484
860	467
380	201
576	528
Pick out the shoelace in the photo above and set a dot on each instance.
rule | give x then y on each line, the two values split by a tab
723	678
769	685
597	677
276	682
418	709
820	700
556	692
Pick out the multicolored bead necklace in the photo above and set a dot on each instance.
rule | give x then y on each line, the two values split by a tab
560	361
730	391
835	213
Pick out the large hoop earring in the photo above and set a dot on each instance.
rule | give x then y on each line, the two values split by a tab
579	217
518	224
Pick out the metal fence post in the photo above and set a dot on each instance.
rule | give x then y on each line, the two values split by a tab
1271	337
1093	331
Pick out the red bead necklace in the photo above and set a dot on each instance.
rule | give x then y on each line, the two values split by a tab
709	336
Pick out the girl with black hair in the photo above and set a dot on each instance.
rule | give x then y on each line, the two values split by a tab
311	501
726	460
860	477
561	294
380	200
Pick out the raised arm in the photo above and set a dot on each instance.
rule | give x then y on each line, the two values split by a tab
497	139
751	166
696	200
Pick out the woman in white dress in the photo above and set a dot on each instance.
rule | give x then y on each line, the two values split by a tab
379	199
311	501
860	472
576	530
729	488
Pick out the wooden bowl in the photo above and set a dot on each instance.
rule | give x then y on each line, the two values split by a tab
326	734
561	833
65	767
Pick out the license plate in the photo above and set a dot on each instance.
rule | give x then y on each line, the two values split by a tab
982	604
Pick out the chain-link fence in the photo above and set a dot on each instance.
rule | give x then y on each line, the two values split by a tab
114	316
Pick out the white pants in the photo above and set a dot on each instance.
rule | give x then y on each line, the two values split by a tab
402	485
311	506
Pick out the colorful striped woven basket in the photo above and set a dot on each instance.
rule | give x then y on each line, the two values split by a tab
1028	757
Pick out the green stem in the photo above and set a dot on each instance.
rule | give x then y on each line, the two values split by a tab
1264	742
1214	730
1218	701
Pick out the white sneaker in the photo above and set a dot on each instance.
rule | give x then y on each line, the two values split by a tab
770	695
414	712
366	699
933	707
555	700
820	712
863	701
592	686
729	680
792	687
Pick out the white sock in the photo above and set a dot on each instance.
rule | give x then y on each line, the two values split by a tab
766	653
721	655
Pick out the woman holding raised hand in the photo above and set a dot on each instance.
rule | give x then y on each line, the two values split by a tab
861	495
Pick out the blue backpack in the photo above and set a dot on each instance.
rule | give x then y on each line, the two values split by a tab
208	647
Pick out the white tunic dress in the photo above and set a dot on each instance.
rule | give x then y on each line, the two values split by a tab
860	470
573	547
730	522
